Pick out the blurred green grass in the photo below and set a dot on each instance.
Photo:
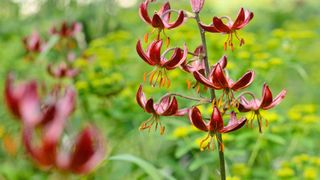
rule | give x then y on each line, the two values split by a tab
282	46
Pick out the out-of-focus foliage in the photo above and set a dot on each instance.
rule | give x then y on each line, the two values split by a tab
282	46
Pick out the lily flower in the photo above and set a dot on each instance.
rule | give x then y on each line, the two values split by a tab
33	43
67	30
161	19
266	102
153	57
215	125
166	107
231	27
62	71
218	80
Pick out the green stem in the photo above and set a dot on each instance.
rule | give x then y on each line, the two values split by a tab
213	96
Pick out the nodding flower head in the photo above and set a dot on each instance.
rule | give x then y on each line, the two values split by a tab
33	43
67	30
215	125
231	27
218	80
167	106
161	19
62	71
153	57
255	105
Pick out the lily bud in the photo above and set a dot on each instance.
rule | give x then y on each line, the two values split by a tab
196	5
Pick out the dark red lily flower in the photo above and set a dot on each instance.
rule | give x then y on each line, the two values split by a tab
218	80
87	152
67	30
196	5
215	125
196	63
160	19
266	102
153	57
230	28
62	71
33	43
167	106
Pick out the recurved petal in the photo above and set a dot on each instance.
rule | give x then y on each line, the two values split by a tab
276	100
233	124
88	151
203	80
219	79
165	9
157	22
141	98
182	112
177	58
12	95
143	55
209	28
216	121
244	81
66	104
196	119
223	61
240	19
221	27
176	23
266	99
248	16
170	108
143	12
245	105
155	52
150	106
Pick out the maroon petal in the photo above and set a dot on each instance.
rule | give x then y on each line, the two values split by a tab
177	58
12	95
233	124
266	99
216	121
244	81
169	109
155	52
88	151
276	100
165	9
150	106
219	79
221	27
223	62
248	16
209	28
176	23
143	12
141	98
196	119
143	55
203	80
240	19
157	22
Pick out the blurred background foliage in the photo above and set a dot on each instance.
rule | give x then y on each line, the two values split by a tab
282	46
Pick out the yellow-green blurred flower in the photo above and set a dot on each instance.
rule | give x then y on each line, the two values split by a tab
310	173
285	172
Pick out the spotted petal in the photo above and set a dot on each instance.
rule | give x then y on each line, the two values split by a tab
196	119
233	124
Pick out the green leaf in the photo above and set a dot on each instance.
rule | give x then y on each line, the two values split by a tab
152	171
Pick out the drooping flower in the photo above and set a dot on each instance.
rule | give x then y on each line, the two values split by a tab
153	57
87	152
67	30
161	19
196	5
218	80
33	43
231	27
62	71
215	125
167	106
255	105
